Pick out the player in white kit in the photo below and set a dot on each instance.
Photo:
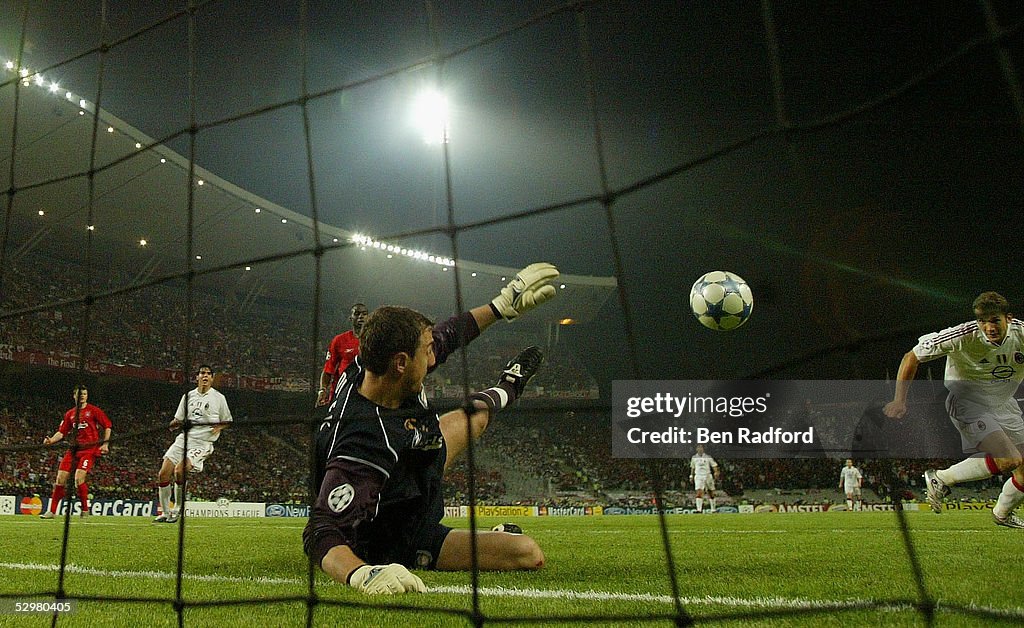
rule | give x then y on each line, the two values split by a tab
207	410
984	367
703	473
850	480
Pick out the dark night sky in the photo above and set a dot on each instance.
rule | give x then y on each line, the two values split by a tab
885	224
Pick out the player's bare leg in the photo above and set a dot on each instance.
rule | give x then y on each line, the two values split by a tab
180	471
1003	456
164	478
82	489
496	551
1011	496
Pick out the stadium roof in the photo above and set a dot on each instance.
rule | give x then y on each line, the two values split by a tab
242	243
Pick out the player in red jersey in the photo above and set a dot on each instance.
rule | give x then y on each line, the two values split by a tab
343	349
83	422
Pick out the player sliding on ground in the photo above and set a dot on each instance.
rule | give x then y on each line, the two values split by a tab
984	367
382	450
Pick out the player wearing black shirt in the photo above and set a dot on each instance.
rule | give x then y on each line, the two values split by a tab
382	451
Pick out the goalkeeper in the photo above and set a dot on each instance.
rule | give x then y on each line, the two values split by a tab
382	451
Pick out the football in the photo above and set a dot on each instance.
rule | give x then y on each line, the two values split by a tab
721	300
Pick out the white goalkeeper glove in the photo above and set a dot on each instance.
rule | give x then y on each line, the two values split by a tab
385	579
529	289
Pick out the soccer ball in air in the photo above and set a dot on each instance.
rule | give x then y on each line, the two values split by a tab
721	300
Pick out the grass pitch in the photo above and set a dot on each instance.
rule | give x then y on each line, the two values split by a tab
801	569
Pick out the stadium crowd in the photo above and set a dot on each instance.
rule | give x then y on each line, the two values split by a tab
254	338
539	456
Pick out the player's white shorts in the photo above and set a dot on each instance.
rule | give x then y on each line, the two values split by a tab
704	483
976	421
851	489
198	451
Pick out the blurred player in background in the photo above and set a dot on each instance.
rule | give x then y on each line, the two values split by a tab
382	451
85	420
984	367
850	481
343	349
703	473
207	411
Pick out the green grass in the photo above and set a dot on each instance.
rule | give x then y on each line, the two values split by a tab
728	566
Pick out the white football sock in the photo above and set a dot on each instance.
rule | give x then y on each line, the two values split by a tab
712	502
1009	498
969	470
700	504
849	504
165	498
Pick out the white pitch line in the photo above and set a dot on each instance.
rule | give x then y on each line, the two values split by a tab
770	602
157	575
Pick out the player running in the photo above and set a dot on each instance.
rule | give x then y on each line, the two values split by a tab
703	473
86	420
850	481
207	409
984	367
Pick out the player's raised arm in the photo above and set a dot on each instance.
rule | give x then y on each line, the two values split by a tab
530	288
485	403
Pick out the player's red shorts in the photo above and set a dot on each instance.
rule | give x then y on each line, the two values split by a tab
84	460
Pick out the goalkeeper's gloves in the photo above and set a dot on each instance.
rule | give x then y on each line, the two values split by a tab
518	372
385	579
521	369
529	289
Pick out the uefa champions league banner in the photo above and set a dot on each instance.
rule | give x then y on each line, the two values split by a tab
782	419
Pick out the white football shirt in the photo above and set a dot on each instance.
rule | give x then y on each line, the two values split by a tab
850	476
976	369
203	409
702	464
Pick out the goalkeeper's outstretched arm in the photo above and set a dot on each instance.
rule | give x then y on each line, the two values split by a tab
469	422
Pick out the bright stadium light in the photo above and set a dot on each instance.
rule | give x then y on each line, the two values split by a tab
430	116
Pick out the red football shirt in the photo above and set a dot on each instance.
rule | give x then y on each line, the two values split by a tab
90	420
343	349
